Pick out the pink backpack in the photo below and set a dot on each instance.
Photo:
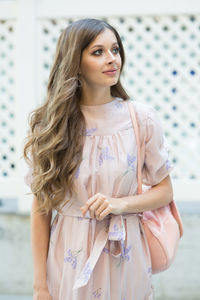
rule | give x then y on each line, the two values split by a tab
163	227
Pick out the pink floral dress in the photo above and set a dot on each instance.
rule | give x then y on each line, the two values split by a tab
109	259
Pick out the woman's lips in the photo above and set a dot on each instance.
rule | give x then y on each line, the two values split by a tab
110	72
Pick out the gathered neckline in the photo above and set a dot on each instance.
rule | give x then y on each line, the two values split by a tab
100	105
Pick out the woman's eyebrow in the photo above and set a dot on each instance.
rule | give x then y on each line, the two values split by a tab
103	45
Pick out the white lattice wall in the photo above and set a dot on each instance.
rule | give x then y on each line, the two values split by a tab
7	100
162	68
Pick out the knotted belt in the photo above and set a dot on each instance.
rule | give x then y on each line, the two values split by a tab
115	232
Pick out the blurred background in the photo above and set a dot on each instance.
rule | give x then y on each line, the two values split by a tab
162	45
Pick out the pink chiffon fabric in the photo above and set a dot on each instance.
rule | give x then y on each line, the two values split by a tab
108	259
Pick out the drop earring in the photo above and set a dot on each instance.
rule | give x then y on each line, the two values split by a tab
78	78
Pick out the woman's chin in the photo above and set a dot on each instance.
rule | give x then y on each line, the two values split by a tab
111	82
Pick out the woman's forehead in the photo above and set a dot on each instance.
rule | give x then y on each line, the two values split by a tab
105	37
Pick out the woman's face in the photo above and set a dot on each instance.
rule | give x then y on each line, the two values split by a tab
101	55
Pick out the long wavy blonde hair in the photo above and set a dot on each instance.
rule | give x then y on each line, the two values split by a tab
56	136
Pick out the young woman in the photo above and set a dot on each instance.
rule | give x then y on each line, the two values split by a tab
83	166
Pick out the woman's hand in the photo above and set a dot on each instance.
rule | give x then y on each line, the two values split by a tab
101	205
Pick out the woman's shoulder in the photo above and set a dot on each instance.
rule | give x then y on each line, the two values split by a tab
143	111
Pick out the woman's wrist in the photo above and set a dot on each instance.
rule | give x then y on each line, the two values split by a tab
40	284
128	204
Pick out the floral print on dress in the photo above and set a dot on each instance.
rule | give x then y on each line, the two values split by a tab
106	250
168	164
72	257
77	172
118	104
86	272
124	255
131	160
104	155
125	251
90	131
97	293
117	233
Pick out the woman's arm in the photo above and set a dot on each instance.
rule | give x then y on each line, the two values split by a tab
158	196
101	205
40	232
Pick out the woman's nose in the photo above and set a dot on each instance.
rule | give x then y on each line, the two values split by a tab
111	57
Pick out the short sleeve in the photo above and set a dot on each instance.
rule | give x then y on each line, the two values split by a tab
157	164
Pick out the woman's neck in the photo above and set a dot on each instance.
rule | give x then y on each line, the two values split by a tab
97	97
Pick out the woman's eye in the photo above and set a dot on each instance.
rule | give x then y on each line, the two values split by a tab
116	49
97	52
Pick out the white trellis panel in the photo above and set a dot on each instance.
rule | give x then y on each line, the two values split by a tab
162	68
17	98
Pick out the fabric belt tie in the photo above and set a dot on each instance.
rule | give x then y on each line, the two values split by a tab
116	233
